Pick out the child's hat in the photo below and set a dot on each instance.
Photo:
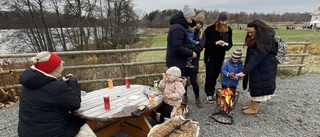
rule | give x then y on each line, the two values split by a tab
236	54
174	71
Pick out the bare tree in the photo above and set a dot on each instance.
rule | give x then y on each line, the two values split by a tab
61	34
44	27
81	24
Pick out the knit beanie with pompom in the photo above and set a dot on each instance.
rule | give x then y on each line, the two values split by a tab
49	64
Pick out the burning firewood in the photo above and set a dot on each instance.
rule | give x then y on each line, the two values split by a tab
225	101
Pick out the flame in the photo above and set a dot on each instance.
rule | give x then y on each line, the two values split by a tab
225	100
227	92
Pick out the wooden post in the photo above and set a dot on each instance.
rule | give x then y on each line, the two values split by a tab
302	58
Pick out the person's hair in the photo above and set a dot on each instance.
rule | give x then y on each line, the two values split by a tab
263	36
201	31
200	23
222	28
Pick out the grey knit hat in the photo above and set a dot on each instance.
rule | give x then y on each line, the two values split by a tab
222	16
187	11
200	17
236	54
174	71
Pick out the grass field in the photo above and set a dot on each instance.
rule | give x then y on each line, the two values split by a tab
238	37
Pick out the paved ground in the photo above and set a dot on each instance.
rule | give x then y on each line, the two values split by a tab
294	111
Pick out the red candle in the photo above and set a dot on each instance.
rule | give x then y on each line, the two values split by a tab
106	102
126	80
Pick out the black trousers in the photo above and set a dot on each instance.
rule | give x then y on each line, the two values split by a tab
165	111
193	80
232	87
213	70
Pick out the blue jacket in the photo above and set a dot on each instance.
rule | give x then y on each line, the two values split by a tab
229	67
190	35
177	42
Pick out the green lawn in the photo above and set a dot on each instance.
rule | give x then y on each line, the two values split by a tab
287	35
157	41
238	37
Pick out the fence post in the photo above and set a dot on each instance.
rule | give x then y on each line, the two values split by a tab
302	58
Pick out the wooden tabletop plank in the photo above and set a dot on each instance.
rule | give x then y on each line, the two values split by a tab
92	105
116	100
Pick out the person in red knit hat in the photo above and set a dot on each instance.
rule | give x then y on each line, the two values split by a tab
47	98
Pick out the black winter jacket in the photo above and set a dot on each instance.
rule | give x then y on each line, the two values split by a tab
177	42
261	69
215	53
46	105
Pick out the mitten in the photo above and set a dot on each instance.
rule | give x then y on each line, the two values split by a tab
141	109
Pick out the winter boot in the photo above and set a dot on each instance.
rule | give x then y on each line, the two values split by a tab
185	100
189	65
198	102
253	109
246	107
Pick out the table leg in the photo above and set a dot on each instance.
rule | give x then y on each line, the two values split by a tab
92	124
144	124
136	127
109	129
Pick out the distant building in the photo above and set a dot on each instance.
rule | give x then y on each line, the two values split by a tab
315	15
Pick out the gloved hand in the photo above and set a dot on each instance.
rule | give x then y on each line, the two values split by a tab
72	78
190	46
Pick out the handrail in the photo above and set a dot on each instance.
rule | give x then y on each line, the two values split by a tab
4	72
116	51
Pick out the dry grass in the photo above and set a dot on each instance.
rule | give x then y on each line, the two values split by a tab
311	61
312	49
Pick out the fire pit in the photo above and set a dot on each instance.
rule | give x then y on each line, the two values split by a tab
225	100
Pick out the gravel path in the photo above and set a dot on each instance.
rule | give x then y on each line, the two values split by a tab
294	111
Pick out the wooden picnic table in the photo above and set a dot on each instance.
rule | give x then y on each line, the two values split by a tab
123	101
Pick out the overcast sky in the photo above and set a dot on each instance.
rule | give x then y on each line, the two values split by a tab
250	6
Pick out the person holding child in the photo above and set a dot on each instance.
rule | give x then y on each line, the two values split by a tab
229	70
177	42
173	90
47	100
192	73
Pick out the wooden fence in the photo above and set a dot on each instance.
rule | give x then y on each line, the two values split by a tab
126	67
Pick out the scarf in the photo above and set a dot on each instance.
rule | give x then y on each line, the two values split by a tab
250	42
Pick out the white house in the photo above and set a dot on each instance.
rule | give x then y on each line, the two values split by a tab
315	15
